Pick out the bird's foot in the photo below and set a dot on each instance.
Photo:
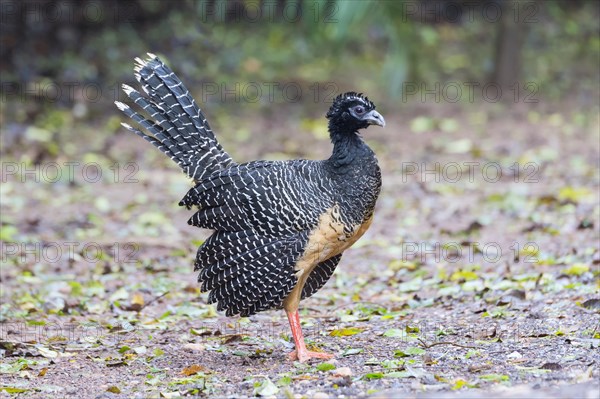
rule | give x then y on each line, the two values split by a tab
305	355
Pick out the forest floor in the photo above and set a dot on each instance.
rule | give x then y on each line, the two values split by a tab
479	273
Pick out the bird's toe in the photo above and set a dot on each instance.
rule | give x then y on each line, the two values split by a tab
306	355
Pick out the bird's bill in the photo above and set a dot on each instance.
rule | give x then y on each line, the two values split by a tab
374	118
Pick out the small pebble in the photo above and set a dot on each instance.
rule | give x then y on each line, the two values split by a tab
193	347
342	372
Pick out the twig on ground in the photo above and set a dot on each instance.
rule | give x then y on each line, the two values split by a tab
427	346
154	299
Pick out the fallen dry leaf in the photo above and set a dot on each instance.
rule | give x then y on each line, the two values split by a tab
193	369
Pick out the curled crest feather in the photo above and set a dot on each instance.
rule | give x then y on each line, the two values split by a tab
347	98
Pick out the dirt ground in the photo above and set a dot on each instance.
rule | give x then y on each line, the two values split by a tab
480	271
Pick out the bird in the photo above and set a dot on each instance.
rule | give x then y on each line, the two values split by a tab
279	227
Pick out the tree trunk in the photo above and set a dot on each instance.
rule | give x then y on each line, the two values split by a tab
509	44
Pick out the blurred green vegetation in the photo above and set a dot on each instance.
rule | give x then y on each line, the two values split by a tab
390	41
370	46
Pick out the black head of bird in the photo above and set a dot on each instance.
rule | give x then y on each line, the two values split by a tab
351	112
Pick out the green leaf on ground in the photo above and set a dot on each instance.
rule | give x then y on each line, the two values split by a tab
265	388
344	332
325	367
408	352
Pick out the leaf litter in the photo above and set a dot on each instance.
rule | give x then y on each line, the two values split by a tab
458	286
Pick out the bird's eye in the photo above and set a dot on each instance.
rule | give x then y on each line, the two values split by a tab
359	110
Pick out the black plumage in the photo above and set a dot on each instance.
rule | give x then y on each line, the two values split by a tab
280	227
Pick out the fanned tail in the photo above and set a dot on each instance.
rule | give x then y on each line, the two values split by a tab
176	125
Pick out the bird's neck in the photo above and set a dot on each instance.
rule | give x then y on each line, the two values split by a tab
347	148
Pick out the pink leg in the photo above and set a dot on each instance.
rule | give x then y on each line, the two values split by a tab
301	353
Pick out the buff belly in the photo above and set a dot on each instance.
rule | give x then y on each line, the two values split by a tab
330	238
